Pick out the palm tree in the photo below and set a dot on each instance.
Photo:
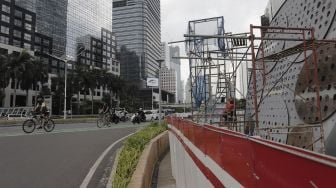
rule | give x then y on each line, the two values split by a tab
110	82
94	76
4	76
16	67
35	71
27	78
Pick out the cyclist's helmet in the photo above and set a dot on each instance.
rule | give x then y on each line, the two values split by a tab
140	109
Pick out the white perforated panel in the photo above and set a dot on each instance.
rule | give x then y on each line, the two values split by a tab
280	105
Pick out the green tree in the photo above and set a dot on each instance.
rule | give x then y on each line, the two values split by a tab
110	83
16	68
35	72
4	76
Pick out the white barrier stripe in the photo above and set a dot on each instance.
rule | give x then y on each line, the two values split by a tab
226	179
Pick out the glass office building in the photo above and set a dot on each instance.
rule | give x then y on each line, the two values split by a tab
51	20
137	26
87	17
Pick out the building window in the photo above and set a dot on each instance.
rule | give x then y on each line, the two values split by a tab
5	18
54	63
38	48
18	13
27	36
4	40
46	42
17	33
27	46
4	30
28	17
6	8
18	23
17	43
38	40
28	26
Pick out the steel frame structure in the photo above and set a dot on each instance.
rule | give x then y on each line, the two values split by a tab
248	49
305	42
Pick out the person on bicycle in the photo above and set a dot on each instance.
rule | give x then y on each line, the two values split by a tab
41	109
106	108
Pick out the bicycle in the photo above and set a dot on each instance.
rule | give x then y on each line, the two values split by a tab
29	125
107	120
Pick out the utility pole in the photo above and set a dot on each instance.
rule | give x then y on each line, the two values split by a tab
65	85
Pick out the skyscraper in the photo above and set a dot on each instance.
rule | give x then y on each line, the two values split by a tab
51	20
174	51
137	26
87	17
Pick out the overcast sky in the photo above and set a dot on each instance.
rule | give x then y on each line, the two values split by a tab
238	15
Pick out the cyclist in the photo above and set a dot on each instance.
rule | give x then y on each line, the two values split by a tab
106	108
41	109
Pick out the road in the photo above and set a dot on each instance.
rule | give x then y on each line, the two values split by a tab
59	159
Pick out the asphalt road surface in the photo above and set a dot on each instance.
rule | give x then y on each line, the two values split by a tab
62	158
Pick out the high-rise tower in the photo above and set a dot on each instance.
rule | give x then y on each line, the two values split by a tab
137	26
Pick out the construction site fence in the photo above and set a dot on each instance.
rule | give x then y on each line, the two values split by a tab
255	162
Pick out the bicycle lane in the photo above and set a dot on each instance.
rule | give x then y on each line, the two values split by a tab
60	159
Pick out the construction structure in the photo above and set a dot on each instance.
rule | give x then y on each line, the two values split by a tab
225	65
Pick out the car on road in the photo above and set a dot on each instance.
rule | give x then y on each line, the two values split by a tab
151	115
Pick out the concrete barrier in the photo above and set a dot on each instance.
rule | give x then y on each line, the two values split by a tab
142	177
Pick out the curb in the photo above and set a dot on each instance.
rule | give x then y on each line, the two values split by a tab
114	168
142	176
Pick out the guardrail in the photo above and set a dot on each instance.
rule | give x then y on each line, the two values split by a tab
15	112
252	161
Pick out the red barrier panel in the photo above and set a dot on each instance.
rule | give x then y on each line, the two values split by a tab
259	163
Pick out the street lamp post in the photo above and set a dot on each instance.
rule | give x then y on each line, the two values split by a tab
65	85
160	107
65	74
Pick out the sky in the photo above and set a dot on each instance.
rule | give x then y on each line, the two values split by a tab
238	15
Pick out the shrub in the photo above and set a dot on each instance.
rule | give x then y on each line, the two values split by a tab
131	152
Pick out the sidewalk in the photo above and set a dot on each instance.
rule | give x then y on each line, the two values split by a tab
165	177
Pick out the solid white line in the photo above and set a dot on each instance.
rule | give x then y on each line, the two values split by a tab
93	169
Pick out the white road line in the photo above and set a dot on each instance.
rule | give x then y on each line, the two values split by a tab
93	169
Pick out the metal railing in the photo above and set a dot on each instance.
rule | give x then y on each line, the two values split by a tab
15	112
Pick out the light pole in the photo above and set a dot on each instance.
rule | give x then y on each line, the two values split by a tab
65	84
160	107
65	60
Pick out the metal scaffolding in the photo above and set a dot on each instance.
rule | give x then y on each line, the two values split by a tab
221	63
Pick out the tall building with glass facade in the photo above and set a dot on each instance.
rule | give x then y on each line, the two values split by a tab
137	26
51	20
86	17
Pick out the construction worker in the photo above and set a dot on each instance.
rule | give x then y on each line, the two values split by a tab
229	110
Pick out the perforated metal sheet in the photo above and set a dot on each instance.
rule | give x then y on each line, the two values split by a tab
283	106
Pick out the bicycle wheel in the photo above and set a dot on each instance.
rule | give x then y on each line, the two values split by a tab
100	121
28	126
49	125
108	120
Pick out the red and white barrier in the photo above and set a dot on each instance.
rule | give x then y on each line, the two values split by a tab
207	156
